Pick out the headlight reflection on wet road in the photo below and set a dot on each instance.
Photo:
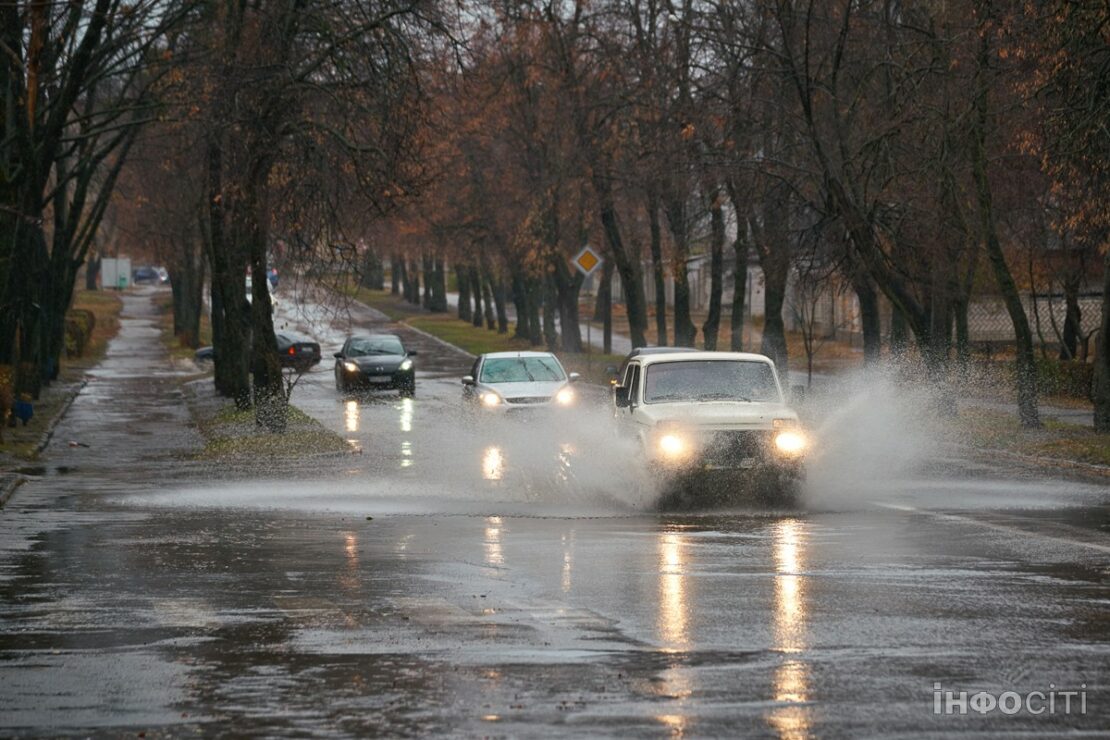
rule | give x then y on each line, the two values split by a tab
791	679
493	464
676	681
351	415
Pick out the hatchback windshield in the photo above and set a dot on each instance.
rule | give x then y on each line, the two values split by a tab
375	346
710	380
521	370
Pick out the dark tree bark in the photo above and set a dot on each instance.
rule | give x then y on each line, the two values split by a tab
658	270
396	274
626	265
604	306
426	260
716	271
476	291
1073	318
439	286
550	335
92	273
462	277
870	324
674	206
1101	390
567	286
499	300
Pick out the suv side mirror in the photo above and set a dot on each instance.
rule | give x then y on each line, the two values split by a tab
468	380
798	393
574	377
620	397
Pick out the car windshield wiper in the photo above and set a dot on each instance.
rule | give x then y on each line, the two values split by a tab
722	397
671	397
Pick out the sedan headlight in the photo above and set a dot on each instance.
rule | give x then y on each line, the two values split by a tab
406	365
790	443
490	399
350	367
565	396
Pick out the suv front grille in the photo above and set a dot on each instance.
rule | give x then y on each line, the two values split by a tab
733	449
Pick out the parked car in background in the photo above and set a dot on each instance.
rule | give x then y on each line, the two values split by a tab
163	275
513	381
296	351
375	362
146	276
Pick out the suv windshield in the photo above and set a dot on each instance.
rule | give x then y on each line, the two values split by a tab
710	380
375	346
521	370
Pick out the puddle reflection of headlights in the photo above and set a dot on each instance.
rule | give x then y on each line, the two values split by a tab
673	447
565	397
790	443
406	365
490	399
350	367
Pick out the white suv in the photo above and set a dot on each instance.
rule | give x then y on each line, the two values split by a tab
710	413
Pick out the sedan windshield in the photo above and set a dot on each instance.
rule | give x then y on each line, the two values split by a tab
710	380
521	370
375	346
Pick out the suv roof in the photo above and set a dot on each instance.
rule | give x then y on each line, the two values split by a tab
687	356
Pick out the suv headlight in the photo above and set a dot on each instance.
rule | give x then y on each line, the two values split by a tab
790	443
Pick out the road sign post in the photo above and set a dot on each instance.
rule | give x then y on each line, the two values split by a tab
586	262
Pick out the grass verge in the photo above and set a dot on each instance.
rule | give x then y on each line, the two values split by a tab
177	349
20	442
997	430
230	435
478	340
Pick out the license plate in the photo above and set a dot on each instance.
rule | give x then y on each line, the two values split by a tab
380	378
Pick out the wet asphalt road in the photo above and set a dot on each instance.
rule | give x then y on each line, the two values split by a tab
514	581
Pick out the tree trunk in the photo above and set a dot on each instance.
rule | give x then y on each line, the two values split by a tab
499	305
396	274
1101	390
550	335
1023	336
716	272
626	265
870	324
658	271
401	277
1073	317
605	307
439	286
462	277
92	273
487	295
739	292
535	302
426	260
475	292
520	304
567	286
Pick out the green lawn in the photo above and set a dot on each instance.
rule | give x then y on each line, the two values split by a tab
477	340
997	430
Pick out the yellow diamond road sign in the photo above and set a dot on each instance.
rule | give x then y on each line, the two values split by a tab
587	261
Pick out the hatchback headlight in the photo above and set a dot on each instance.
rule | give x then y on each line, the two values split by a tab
565	396
406	364
350	367
790	443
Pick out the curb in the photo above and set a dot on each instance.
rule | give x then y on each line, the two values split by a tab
15	481
57	418
8	489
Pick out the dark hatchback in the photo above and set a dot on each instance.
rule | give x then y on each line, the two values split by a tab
375	361
297	352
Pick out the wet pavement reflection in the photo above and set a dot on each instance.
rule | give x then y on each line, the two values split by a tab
465	578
